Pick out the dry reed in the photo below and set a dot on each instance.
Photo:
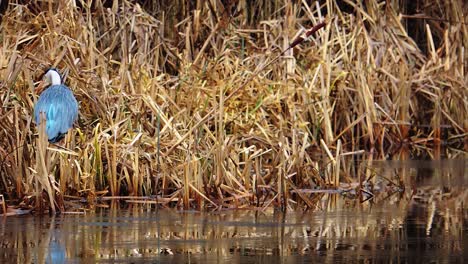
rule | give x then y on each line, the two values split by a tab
196	111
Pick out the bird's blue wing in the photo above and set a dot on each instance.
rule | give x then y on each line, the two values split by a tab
60	108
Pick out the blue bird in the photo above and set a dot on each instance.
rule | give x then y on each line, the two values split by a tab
58	105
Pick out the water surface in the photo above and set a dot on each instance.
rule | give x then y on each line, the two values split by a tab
424	223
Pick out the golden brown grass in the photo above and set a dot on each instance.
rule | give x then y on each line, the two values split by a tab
197	111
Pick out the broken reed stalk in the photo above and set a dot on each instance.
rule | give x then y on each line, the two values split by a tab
301	38
42	167
337	167
404	85
436	118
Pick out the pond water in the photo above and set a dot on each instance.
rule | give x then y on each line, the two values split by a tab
425	223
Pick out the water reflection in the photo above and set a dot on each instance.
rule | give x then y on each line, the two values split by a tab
424	223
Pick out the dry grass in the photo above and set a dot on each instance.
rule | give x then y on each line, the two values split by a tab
197	111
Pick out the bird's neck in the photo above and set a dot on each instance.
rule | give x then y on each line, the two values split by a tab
54	78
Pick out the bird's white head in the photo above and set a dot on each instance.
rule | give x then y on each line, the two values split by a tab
53	76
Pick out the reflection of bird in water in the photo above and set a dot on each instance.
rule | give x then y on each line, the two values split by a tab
57	253
59	106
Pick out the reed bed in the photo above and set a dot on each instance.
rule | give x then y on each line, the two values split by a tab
194	109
